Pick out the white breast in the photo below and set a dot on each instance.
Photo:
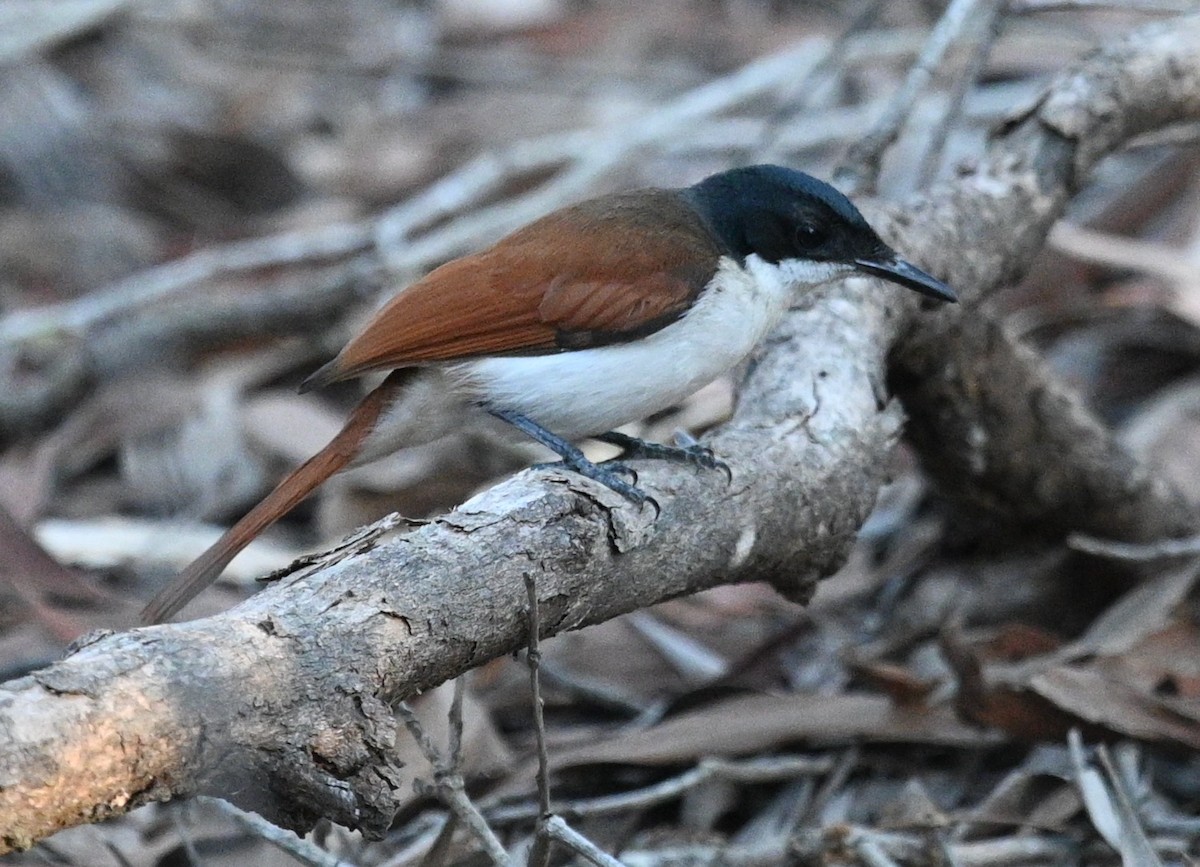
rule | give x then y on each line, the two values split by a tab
589	391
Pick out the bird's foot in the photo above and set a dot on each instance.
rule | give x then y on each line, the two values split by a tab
689	451
607	474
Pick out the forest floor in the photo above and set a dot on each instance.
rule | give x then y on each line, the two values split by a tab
960	693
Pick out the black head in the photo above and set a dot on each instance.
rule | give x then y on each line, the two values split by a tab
793	220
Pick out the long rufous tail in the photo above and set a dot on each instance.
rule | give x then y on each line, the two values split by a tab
301	482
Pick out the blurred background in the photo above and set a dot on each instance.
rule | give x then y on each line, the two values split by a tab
200	199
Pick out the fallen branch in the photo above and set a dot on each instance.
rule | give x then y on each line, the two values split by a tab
995	427
286	700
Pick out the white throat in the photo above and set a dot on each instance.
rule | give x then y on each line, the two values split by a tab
808	272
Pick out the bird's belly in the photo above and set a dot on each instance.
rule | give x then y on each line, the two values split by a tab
588	391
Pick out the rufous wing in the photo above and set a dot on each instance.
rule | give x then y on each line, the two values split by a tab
605	271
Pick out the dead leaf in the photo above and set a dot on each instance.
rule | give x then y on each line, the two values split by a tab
48	590
1090	696
753	723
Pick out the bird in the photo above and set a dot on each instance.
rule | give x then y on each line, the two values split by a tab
593	316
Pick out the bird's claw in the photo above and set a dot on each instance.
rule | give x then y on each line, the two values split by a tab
609	475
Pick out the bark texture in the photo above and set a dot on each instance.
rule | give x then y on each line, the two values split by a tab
994	427
283	703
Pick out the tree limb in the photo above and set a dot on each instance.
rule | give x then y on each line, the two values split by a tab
285	700
993	424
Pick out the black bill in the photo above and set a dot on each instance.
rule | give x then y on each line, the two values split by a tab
906	274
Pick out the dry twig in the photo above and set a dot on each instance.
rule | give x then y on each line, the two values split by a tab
764	770
987	27
287	841
449	783
539	855
1153	7
1144	552
559	830
859	172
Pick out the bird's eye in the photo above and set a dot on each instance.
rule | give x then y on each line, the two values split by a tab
810	236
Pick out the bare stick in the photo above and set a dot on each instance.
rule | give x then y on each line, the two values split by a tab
1137	552
559	830
606	151
764	770
328	242
441	844
181	819
859	172
473	182
450	786
539	855
287	841
988	29
873	854
454	759
1114	251
437	852
426	837
800	96
539	722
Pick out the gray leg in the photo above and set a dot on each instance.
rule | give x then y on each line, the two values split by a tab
606	474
